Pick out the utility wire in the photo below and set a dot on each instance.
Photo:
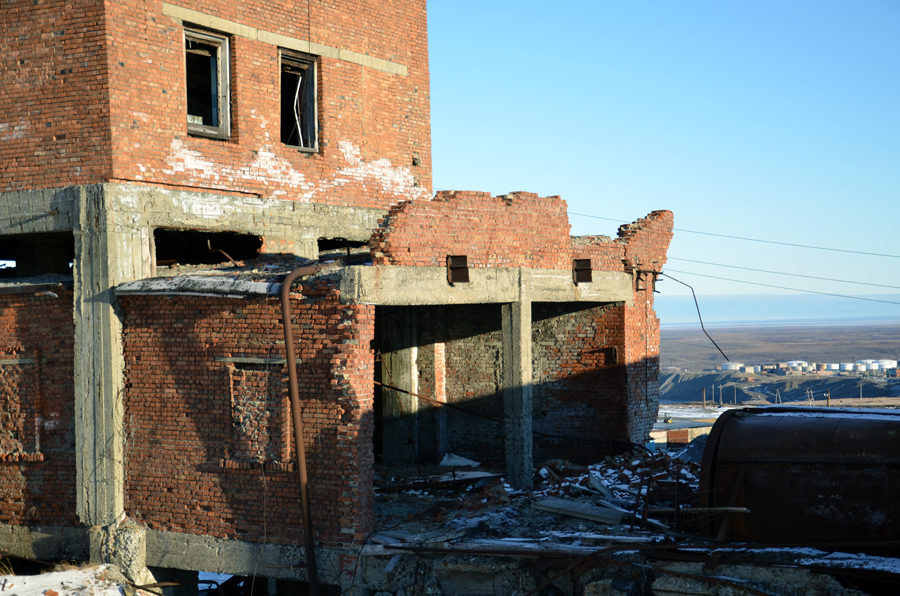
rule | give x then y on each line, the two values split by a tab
843	281
697	304
855	252
753	283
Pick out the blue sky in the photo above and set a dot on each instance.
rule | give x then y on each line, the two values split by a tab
762	119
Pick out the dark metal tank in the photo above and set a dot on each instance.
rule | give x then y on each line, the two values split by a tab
812	476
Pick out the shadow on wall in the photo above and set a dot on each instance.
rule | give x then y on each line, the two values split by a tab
581	408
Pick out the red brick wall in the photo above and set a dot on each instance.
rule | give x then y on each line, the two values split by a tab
520	230
583	390
371	123
94	92
37	429
642	359
516	230
580	388
200	461
54	121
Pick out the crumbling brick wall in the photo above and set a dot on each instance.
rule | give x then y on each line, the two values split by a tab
202	454
581	388
37	422
516	230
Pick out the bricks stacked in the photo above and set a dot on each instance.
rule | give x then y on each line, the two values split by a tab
187	470
37	430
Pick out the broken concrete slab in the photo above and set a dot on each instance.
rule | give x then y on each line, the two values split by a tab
603	515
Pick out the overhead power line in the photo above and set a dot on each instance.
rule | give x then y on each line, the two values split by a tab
843	281
753	283
854	252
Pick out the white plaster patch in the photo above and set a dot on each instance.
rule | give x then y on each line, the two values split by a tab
142	115
393	180
11	131
268	169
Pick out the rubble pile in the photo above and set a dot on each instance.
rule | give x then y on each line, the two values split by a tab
628	525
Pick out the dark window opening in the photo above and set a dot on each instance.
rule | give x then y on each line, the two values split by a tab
206	74
299	126
339	246
31	255
192	247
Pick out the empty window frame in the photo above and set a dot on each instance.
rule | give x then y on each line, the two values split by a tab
299	119
206	70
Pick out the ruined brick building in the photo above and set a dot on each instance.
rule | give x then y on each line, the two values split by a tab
139	134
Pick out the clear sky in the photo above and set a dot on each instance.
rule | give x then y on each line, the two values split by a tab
764	119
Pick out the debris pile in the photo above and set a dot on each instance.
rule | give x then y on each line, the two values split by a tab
626	525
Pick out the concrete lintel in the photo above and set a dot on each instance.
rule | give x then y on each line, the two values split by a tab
420	286
195	285
36	211
235	557
45	543
226	26
300	224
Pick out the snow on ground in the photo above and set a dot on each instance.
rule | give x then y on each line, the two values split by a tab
89	581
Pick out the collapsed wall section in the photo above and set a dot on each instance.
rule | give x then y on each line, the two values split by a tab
37	425
209	445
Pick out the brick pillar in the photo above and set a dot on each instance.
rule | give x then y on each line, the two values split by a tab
517	385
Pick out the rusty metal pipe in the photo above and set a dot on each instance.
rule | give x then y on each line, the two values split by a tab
311	569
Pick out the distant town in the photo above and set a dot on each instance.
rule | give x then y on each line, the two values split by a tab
860	368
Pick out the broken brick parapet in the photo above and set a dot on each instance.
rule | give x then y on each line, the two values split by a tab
515	230
196	464
37	430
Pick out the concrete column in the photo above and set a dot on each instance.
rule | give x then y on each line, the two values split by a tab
517	385
108	251
400	369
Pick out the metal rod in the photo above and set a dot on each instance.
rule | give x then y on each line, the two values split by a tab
311	569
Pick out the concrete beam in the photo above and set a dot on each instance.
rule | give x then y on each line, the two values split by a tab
298	225
176	550
45	543
420	286
516	382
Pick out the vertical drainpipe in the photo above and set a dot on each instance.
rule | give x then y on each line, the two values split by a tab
311	569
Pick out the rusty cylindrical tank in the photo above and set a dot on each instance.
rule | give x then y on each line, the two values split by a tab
807	475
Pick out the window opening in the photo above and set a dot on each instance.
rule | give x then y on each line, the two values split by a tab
192	247
33	255
207	83
299	121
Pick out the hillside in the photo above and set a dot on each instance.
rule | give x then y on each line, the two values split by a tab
744	388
